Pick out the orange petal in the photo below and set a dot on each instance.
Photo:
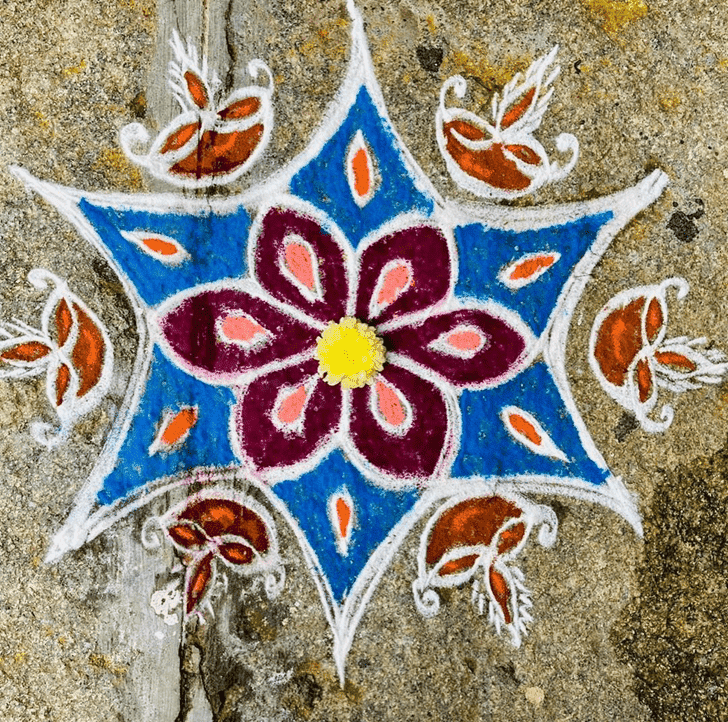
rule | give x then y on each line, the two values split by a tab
653	320
64	321
395	280
63	378
644	380
390	405
163	248
343	513
516	111
240	109
27	352
671	358
465	340
525	428
529	267
236	553
501	592
179	137
186	535
197	89
198	577
88	352
458	565
241	329
174	429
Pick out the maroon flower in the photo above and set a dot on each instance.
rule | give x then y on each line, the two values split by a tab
327	346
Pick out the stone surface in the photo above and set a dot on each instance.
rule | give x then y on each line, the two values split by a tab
624	629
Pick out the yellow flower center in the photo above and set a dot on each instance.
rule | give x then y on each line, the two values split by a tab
349	353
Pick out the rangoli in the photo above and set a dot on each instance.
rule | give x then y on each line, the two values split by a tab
369	355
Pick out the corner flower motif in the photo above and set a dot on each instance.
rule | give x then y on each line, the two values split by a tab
327	346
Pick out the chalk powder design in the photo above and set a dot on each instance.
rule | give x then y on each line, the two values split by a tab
365	352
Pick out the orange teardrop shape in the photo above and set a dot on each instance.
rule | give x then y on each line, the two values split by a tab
88	352
501	592
240	328
240	109
197	89
163	248
394	282
362	173
644	380
525	428
62	380
178	426
26	352
458	565
465	340
671	358
526	269
653	320
177	139
516	111
64	321
343	514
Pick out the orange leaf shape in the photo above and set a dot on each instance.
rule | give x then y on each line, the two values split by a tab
178	427
501	592
197	89
531	266
240	109
64	321
187	536
343	514
198	577
27	352
163	248
63	379
671	358
362	173
177	140
525	428
389	404
300	263
88	352
236	553
516	111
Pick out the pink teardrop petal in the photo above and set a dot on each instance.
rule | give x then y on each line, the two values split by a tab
291	406
300	264
394	282
466	340
240	328
390	406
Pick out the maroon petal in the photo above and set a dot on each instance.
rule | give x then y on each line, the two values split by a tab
405	271
228	331
298	262
276	432
414	449
468	347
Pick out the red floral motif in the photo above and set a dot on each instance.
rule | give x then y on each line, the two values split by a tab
632	358
208	142
478	539
71	348
502	158
402	426
215	527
